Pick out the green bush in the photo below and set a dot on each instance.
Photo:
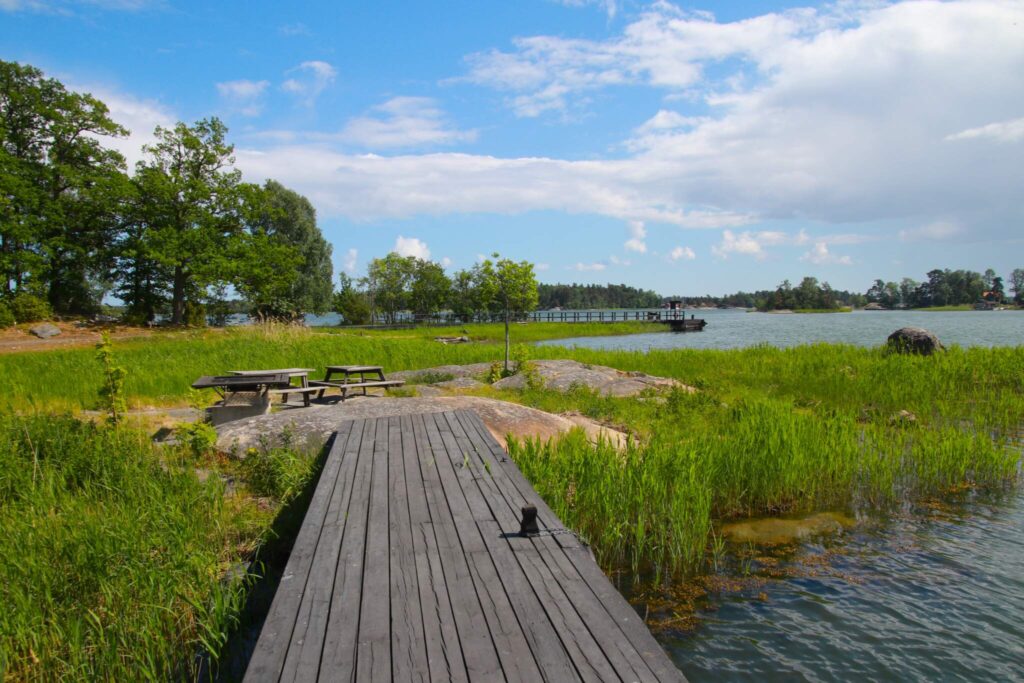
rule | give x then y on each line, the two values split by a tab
280	473
198	437
28	308
6	317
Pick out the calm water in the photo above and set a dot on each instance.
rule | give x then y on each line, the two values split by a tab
729	329
936	594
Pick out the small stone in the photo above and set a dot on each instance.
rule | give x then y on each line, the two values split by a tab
45	330
914	340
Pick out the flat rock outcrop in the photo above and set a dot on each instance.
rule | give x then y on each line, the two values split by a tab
309	428
557	375
563	375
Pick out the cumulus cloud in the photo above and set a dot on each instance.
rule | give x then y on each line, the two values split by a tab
636	241
308	80
834	114
348	262
820	255
243	96
585	267
1003	131
682	254
412	246
404	122
139	116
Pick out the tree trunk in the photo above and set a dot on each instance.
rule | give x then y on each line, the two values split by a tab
178	296
506	341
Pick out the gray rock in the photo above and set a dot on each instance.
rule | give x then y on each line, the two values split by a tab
309	428
563	375
460	383
914	340
471	370
44	330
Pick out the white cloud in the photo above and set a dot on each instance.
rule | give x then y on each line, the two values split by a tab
412	246
682	254
752	243
244	96
585	267
308	80
404	122
65	6
293	30
636	241
938	231
820	255
445	262
616	261
541	267
140	117
1003	131
830	114
348	262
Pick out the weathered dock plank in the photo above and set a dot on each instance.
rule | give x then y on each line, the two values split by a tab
409	566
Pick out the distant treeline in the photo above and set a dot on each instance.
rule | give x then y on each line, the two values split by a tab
577	296
948	288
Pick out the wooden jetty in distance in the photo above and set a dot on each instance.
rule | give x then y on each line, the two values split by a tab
410	565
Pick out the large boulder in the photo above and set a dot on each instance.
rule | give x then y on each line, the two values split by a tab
914	340
45	330
309	428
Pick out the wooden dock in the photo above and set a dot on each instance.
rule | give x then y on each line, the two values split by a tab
409	566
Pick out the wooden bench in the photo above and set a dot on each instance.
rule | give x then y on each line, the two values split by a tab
343	387
306	392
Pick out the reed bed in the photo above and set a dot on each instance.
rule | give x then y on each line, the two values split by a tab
654	506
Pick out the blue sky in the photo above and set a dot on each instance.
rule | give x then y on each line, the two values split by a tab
651	143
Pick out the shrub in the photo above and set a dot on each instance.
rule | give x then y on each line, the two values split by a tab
198	437
6	317
28	308
279	472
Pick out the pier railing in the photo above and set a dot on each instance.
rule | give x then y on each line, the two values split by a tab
406	319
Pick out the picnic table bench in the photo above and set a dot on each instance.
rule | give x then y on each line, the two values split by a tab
302	389
348	379
229	385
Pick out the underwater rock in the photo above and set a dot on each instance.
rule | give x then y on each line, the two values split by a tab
775	531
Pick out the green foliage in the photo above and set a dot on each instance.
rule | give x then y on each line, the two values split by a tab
61	189
352	304
28	308
111	557
430	378
429	289
526	367
198	438
112	398
6	317
577	296
281	473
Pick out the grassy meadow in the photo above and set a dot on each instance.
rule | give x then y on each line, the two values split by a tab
114	551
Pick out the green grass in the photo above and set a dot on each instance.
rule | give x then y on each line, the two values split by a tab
114	555
112	551
161	368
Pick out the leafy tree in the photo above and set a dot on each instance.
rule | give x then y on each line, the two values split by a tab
429	288
285	217
189	199
352	304
60	189
388	280
1017	285
513	290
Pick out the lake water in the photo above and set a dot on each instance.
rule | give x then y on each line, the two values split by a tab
935	594
730	329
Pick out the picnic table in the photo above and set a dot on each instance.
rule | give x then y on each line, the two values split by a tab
301	373
353	377
229	385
